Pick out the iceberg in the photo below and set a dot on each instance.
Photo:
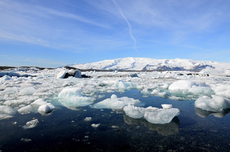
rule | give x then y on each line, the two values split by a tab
152	114
160	116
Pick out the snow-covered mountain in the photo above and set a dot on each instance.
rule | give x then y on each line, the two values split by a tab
131	63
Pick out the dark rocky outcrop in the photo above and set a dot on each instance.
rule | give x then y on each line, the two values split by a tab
118	75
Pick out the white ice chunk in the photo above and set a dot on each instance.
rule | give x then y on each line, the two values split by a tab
201	90
121	85
215	104
25	110
10	90
46	108
145	91
88	119
185	85
115	103
165	86
5	78
222	90
72	98
27	91
160	116
155	92
134	112
6	112
38	102
5	116
152	114
191	86
166	106
95	125
31	124
61	74
78	74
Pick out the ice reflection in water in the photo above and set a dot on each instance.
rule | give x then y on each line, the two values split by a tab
204	113
163	129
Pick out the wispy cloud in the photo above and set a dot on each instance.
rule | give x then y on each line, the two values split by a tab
35	24
72	16
130	28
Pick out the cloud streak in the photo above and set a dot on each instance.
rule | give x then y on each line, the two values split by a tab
130	28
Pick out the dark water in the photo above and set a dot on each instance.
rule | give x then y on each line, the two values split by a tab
66	130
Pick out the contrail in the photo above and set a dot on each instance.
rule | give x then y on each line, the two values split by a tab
130	28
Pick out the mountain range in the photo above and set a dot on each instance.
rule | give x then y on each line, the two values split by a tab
131	63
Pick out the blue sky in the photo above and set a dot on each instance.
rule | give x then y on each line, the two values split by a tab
52	33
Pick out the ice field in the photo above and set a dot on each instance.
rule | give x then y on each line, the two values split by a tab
159	100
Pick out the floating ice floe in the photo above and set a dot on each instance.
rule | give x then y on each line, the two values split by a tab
121	86
61	74
27	91
71	98
87	119
185	86
222	90
152	114
115	103
6	112
46	108
38	105
214	103
31	124
95	125
10	90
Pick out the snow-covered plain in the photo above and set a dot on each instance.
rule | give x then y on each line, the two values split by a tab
33	90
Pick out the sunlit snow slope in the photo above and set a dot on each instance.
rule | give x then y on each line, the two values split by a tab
155	64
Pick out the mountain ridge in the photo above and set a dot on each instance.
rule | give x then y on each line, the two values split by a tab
131	63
